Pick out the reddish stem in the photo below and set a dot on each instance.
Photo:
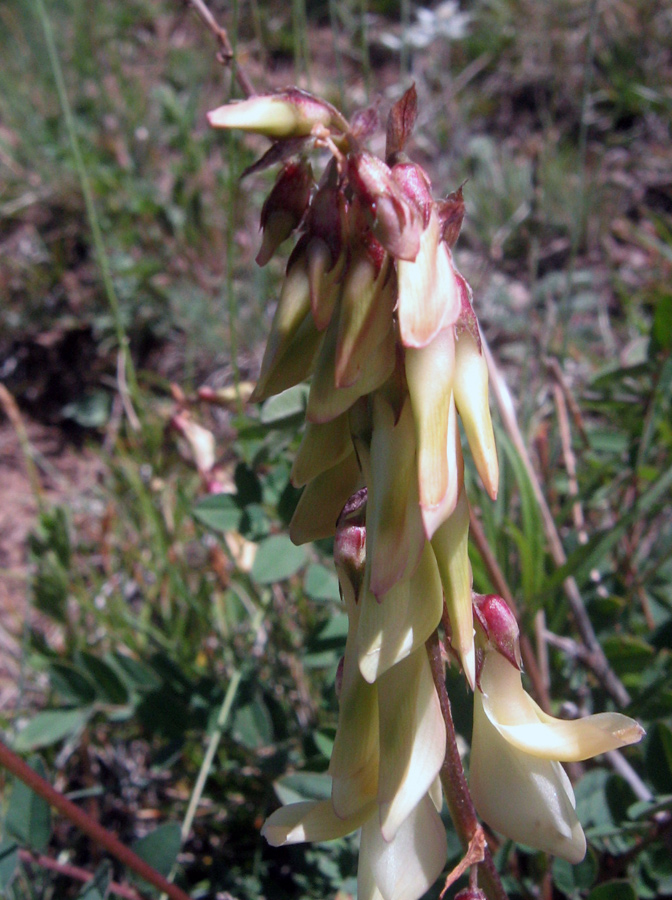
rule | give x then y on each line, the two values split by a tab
89	826
454	780
76	873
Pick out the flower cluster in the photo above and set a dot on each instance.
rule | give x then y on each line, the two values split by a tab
373	310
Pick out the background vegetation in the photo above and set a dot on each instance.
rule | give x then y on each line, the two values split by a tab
166	630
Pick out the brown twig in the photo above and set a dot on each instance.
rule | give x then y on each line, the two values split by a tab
474	855
85	823
225	55
570	463
501	585
76	873
454	780
596	660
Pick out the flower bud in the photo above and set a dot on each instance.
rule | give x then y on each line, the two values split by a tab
451	215
471	893
499	626
287	114
395	222
284	207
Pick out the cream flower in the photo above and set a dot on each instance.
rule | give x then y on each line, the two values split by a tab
516	780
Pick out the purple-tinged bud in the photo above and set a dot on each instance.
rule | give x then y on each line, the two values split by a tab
470	893
499	626
289	113
395	222
466	320
284	207
324	239
451	216
415	186
350	544
400	122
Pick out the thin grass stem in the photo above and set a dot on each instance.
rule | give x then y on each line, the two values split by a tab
92	216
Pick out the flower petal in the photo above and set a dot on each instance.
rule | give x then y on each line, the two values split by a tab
310	820
367	301
407	866
325	400
525	798
322	447
401	621
429	373
428	297
433	518
394	533
524	725
322	500
412	739
451	547
354	758
471	397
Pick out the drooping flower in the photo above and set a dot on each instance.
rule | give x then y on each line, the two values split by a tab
517	783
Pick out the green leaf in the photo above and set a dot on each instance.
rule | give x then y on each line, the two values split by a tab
98	887
252	725
9	860
109	686
160	847
28	817
661	330
287	405
592	555
220	512
51	726
71	683
303	786
613	890
321	583
277	558
90	411
571	880
50	587
137	675
658	757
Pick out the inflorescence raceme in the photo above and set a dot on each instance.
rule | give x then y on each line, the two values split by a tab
374	311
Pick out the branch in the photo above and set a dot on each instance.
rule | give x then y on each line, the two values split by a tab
85	823
225	55
76	873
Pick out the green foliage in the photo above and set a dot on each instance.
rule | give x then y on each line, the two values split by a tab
146	645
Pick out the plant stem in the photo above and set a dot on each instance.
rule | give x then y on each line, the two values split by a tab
76	873
454	781
85	823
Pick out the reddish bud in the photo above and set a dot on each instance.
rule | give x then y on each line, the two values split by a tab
415	186
470	893
350	542
400	122
499	626
284	207
451	216
395	221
